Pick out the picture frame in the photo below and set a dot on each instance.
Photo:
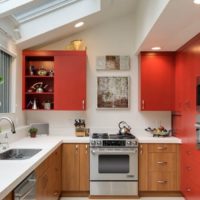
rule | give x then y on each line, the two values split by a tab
113	92
112	62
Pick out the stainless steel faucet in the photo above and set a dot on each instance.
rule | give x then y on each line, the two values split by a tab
12	125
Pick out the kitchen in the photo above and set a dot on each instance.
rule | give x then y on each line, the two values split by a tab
116	36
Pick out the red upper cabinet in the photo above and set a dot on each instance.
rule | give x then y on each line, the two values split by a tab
54	80
157	81
70	81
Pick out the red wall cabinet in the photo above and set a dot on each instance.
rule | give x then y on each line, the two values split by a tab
70	82
54	80
157	81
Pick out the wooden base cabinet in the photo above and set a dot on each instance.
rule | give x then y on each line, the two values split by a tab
48	174
159	167
9	196
75	168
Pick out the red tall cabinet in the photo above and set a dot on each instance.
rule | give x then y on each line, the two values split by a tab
54	77
157	81
184	116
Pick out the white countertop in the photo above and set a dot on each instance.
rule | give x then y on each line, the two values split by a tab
12	172
145	137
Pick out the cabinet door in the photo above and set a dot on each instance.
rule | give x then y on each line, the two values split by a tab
70	167
84	167
55	174
42	186
157	81
70	82
9	197
143	167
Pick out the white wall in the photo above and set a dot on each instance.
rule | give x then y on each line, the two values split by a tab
6	44
116	38
146	15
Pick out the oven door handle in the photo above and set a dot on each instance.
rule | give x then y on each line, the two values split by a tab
113	152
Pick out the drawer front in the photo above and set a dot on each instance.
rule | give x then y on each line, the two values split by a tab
162	162
162	148
159	181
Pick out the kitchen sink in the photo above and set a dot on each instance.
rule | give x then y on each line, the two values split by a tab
18	154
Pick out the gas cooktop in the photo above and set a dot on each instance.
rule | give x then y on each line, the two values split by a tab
112	136
117	140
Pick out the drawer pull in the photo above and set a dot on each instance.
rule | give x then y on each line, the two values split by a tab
188	168
162	181
162	162
188	189
161	148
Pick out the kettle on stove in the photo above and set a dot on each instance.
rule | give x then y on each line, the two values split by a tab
124	128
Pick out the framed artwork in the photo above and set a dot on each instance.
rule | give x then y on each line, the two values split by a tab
113	92
111	62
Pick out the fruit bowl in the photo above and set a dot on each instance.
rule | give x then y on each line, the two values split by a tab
159	132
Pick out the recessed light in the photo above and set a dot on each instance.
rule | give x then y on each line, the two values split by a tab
156	48
196	2
79	24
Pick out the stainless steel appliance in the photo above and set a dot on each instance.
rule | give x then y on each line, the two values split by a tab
26	190
113	164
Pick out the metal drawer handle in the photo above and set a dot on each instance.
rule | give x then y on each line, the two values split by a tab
83	104
161	148
162	162
162	181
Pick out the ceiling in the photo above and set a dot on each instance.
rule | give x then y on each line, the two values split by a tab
178	22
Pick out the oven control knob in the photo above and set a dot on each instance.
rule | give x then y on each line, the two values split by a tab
129	143
98	143
93	142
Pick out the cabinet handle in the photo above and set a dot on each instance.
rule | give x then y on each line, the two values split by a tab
142	104
161	162
83	104
161	148
86	148
188	152
188	168
162	181
141	152
76	147
55	193
188	189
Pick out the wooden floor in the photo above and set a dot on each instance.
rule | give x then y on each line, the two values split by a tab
143	198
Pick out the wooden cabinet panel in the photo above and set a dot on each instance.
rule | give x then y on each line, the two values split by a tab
162	162
48	174
159	181
9	197
70	167
162	148
70	82
159	167
84	167
75	168
157	81
143	167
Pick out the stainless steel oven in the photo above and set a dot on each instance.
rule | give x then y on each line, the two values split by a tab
114	166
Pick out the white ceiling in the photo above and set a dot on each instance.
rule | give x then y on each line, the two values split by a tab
178	23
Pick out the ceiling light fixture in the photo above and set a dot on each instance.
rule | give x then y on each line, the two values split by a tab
79	24
196	2
156	48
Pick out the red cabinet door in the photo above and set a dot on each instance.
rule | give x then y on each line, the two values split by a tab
157	81
70	81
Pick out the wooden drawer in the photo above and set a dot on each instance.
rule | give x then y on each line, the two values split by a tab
159	181
162	162
162	148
